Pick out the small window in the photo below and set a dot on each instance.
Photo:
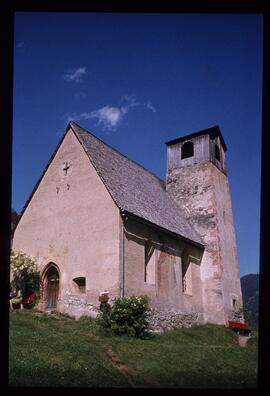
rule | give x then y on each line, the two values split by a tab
187	150
217	152
234	302
81	283
186	275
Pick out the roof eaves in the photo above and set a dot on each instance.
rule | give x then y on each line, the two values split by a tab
197	244
211	130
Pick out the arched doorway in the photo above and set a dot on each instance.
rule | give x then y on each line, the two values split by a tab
51	286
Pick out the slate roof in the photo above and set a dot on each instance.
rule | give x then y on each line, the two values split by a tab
134	189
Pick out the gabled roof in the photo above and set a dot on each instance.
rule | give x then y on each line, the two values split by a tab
134	189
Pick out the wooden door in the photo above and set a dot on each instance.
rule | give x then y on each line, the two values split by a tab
52	291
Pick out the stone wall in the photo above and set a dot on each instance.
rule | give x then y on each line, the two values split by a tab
202	191
169	319
75	307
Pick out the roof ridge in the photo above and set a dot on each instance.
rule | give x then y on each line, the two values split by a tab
114	149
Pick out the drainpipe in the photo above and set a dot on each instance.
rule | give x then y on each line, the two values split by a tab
122	279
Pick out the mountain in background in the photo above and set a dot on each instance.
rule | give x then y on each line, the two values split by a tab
250	293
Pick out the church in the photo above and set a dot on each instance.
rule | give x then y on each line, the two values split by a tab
97	221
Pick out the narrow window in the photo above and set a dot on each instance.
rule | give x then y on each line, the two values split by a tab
187	150
81	284
234	302
150	263
186	275
217	152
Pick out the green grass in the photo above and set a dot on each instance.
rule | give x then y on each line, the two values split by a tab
201	357
46	351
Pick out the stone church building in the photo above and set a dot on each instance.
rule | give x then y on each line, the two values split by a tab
97	221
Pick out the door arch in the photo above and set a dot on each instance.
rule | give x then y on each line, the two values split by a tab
51	286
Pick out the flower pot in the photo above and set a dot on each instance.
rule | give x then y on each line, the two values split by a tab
104	297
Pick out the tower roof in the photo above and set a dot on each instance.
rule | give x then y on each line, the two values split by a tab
211	131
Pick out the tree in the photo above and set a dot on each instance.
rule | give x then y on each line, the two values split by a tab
25	273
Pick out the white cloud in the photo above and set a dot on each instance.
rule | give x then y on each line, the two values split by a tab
150	107
127	103
110	117
129	100
75	75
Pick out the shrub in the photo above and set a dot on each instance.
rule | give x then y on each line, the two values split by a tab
127	316
25	273
105	316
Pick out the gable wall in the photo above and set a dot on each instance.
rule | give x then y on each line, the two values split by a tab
72	221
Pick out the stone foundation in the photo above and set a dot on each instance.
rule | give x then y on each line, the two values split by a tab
168	319
74	307
77	308
160	320
237	315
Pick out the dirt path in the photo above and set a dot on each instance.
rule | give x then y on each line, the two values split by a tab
130	374
127	372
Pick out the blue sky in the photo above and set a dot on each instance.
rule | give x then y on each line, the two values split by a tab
137	81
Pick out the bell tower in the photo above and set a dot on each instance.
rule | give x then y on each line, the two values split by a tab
197	181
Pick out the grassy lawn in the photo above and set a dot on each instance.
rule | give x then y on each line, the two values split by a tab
201	357
48	351
45	351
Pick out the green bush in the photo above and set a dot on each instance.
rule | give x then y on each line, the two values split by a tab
105	316
127	316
